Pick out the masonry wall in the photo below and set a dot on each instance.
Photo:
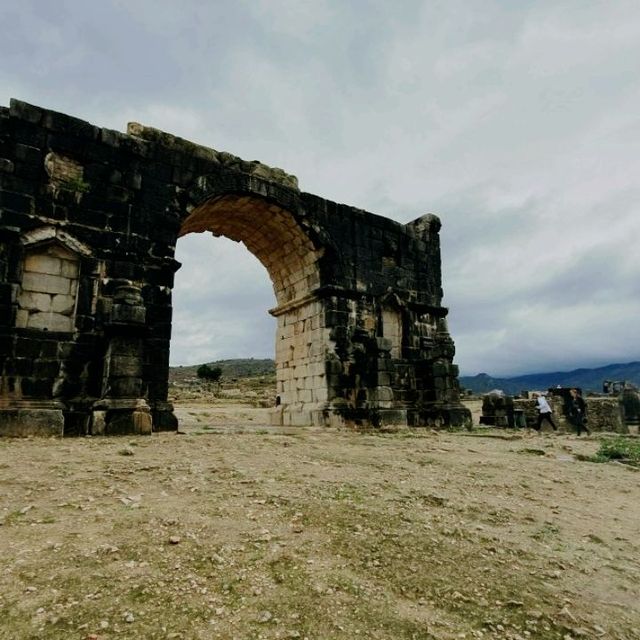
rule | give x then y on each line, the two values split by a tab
89	219
603	414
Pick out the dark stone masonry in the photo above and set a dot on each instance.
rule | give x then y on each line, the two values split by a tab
89	220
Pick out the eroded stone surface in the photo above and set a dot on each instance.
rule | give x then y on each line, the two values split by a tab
89	220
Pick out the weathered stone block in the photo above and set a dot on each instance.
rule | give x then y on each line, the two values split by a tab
63	304
50	321
126	387
24	111
22	318
17	202
125	366
128	314
39	388
45	283
35	301
98	423
46	368
31	422
382	394
69	269
128	422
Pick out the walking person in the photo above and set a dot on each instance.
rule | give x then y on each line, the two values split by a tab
576	410
544	411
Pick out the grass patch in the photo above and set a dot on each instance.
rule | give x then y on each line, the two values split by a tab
533	452
620	449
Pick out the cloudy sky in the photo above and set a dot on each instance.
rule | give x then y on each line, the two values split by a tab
517	122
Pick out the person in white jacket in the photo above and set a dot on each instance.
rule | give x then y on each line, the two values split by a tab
544	411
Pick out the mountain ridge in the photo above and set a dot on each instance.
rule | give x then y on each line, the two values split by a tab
588	379
585	378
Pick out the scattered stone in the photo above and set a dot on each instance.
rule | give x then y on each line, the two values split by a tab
175	540
565	613
514	604
265	616
129	617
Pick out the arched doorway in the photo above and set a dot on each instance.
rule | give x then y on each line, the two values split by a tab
291	258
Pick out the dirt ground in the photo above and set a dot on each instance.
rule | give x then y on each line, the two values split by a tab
233	529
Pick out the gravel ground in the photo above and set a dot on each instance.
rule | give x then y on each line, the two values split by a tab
236	530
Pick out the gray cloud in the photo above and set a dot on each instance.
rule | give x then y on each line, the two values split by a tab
516	122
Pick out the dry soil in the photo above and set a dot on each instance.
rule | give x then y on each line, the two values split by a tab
232	529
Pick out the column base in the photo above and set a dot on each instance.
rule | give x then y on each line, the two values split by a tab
441	416
164	419
22	419
121	417
438	416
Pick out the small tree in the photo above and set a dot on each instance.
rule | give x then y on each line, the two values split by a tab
211	374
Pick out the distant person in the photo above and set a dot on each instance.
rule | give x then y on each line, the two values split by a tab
544	411
576	411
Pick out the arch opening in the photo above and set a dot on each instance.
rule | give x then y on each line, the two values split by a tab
277	240
270	233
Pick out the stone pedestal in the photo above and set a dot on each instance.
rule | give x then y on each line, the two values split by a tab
33	418
123	410
164	419
121	417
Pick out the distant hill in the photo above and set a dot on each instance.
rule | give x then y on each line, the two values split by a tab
587	379
238	368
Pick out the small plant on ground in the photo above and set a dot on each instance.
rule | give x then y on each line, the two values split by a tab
621	449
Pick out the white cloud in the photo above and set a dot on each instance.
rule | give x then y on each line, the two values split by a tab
220	301
516	122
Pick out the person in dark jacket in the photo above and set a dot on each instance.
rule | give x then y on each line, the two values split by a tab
576	411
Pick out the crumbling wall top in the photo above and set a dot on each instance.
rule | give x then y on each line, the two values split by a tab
222	158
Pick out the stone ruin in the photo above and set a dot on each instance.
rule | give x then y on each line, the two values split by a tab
89	220
615	413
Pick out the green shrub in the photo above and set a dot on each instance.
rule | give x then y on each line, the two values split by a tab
620	448
209	373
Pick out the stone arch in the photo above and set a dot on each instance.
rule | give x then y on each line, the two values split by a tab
266	218
127	198
269	232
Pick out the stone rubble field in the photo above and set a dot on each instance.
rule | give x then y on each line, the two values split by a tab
235	530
